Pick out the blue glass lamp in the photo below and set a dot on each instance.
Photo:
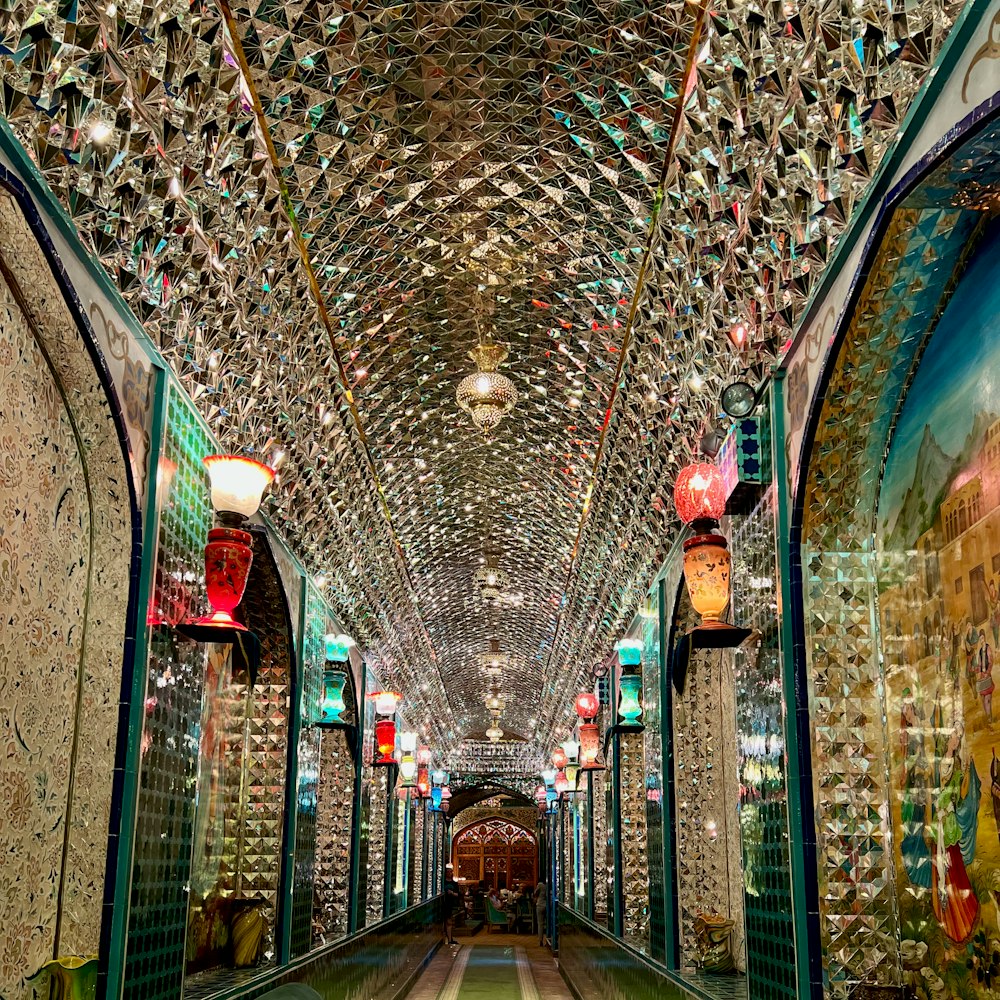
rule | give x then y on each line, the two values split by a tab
332	705
630	701
338	647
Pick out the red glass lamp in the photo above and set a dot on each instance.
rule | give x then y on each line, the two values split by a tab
587	705
559	758
237	485
562	783
385	727
385	740
700	499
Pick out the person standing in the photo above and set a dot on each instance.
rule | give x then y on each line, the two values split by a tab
541	910
452	901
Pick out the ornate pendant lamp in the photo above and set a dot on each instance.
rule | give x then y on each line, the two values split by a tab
700	499
490	580
495	734
487	396
385	727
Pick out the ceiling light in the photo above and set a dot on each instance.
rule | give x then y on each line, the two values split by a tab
487	396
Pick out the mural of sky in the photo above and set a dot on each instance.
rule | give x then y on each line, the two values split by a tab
958	380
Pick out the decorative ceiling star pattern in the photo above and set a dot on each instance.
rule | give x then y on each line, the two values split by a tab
318	208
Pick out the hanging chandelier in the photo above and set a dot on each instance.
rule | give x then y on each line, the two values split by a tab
490	580
487	396
495	734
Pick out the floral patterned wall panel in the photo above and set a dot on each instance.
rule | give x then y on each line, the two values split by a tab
939	617
64	565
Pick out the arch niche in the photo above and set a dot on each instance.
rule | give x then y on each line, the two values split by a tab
899	538
497	851
69	540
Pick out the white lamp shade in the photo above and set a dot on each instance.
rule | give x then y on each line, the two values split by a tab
571	748
385	702
237	483
408	743
407	769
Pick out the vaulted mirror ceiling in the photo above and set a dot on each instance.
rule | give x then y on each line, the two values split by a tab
318	209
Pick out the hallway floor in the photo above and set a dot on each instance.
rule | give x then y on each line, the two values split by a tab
492	967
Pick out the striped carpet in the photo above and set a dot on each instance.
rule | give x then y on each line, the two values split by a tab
491	971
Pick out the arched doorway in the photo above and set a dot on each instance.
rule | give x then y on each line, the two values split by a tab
500	853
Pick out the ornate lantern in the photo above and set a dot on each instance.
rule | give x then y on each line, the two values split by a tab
630	701
338	647
408	759
490	579
561	783
332	705
540	797
587	707
590	747
629	652
423	772
700	499
487	396
385	740
385	728
559	758
237	486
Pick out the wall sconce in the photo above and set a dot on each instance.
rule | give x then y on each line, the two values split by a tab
333	706
630	702
629	652
423	770
385	740
237	486
385	728
338	647
587	707
540	798
408	759
700	499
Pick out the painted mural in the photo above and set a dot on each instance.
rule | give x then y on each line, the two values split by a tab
939	611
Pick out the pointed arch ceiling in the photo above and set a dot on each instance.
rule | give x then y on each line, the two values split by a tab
317	207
